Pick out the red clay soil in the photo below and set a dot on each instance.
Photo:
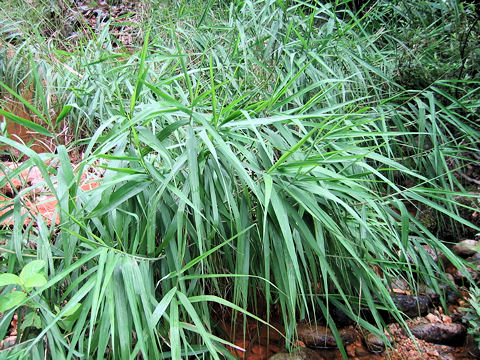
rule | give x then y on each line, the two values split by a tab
37	142
38	201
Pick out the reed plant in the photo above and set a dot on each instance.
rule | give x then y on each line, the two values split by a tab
254	152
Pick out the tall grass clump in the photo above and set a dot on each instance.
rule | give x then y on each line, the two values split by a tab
270	157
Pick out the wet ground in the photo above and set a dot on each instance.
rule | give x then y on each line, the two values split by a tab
259	343
36	142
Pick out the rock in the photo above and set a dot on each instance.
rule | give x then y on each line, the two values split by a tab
451	294
411	305
425	290
322	338
449	290
444	352
466	248
428	218
300	354
374	344
422	289
459	277
474	259
446	334
340	318
450	278
434	254
399	284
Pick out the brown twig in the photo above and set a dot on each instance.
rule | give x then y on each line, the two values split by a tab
468	178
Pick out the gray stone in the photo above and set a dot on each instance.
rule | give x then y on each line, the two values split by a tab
432	252
445	334
445	288
340	318
474	259
425	290
411	305
451	294
375	344
322	338
399	284
466	248
461	277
